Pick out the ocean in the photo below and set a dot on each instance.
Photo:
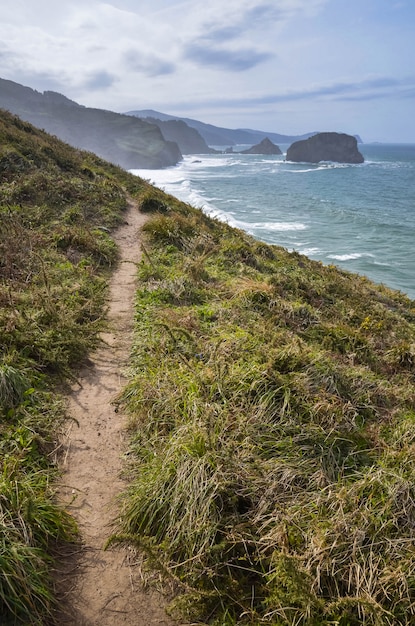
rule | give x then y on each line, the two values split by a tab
359	217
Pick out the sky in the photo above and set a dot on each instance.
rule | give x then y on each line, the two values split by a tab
286	66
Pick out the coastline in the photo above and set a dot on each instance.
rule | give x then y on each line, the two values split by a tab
358	217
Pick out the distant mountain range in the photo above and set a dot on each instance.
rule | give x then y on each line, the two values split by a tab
217	136
137	139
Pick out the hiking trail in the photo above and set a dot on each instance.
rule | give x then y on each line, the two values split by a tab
97	586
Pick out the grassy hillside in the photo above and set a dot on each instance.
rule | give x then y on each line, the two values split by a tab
271	404
272	416
56	208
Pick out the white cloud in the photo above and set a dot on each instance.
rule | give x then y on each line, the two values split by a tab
73	39
237	60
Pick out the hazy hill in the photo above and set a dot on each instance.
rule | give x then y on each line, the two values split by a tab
120	139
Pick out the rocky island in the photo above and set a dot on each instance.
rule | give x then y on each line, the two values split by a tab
337	147
263	147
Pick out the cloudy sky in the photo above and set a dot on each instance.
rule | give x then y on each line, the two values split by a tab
288	66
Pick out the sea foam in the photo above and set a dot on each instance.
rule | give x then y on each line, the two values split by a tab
360	217
350	256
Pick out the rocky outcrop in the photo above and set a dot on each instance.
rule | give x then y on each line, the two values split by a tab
120	139
263	147
337	147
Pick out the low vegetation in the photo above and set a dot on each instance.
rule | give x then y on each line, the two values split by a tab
56	208
271	404
272	415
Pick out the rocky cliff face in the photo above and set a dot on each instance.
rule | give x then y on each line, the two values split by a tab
263	147
120	139
337	147
188	139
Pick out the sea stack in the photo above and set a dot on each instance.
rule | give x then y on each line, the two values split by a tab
337	147
264	147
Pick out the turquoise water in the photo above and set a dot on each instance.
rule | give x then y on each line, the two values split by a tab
359	217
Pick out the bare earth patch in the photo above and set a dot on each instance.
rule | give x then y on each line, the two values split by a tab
98	586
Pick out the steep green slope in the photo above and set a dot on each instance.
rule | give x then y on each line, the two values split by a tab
121	139
272	415
56	208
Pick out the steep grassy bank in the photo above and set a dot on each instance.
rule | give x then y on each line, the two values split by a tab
272	416
56	208
271	403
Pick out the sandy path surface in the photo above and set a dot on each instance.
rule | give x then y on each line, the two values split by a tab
99	586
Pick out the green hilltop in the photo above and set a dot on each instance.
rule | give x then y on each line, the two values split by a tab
271	404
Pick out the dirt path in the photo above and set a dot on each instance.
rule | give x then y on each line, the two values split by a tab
97	586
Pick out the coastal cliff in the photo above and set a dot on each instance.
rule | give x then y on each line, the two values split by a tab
187	138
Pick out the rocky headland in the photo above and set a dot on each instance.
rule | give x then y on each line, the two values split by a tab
187	138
